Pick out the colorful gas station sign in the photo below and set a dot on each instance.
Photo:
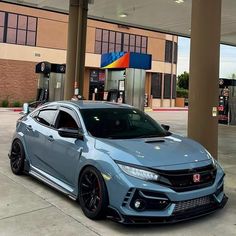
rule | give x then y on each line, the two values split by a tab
119	60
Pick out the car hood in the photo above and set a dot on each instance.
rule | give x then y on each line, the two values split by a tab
154	152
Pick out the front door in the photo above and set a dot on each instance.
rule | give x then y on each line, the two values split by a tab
64	153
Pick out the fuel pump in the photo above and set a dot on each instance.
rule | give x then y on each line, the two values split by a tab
50	82
223	115
44	69
227	101
125	77
115	86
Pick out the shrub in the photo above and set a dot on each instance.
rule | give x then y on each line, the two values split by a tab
5	103
183	80
17	104
182	93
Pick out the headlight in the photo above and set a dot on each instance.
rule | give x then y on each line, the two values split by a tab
214	161
139	173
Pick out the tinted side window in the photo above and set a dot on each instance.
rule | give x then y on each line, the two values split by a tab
46	117
65	120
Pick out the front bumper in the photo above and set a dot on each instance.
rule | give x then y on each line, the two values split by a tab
178	217
159	204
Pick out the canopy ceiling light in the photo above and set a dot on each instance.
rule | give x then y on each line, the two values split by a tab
179	1
123	15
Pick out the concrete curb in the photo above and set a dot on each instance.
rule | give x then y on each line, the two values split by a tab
166	109
14	109
171	109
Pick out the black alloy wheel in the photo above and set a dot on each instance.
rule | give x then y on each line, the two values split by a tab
17	157
93	195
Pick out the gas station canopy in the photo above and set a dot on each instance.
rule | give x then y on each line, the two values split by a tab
169	16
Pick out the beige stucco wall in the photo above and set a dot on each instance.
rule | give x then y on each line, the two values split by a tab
156	103
90	43
171	37
166	103
27	53
38	54
51	34
156	47
130	30
92	60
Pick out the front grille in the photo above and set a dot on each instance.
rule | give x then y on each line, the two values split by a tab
182	180
190	204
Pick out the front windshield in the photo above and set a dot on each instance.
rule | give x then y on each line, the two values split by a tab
121	123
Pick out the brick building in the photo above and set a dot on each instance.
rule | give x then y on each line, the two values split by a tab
29	35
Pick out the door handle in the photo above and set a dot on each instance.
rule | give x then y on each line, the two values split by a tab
50	138
29	127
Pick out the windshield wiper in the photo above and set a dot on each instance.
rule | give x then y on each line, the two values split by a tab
155	141
149	136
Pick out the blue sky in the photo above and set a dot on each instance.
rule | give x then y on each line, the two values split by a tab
227	58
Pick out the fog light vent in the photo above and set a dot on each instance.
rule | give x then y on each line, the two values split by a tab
139	204
148	200
127	197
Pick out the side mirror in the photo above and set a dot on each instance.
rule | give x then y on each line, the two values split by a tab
25	108
70	133
165	127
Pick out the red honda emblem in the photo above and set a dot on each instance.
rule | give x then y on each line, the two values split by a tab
196	178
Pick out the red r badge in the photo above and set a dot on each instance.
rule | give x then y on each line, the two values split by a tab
196	178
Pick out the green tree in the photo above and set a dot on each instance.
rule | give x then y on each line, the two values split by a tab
183	80
233	76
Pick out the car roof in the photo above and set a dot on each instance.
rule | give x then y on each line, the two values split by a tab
86	104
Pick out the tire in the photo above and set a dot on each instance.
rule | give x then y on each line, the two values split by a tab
17	157
93	195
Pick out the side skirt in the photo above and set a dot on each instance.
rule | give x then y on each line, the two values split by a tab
52	182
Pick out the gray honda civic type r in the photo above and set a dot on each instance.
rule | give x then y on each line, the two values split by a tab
117	162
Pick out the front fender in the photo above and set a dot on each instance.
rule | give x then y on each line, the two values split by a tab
101	161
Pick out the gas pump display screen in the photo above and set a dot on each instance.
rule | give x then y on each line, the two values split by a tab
94	75
121	85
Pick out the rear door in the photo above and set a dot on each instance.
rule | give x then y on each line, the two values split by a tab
37	129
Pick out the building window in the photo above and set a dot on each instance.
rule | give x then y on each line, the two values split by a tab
167	86
2	23
18	29
175	52
174	87
168	51
112	41
156	85
169	54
